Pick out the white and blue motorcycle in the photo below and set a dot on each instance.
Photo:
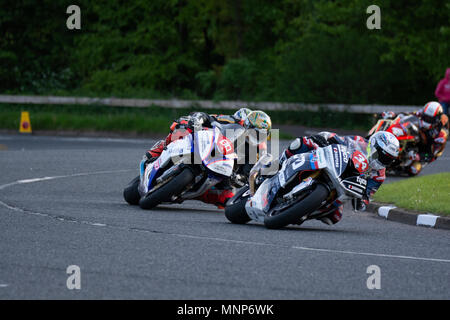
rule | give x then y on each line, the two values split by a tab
187	167
302	189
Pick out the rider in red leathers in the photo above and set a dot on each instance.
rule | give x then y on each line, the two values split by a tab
433	127
219	194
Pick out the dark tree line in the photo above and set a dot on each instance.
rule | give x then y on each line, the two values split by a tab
285	50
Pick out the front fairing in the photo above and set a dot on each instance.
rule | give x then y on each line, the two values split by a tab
178	151
334	159
259	204
219	160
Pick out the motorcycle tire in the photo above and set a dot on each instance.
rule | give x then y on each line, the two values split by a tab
294	213
163	194
235	211
131	193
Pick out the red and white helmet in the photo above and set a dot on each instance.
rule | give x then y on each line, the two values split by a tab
430	115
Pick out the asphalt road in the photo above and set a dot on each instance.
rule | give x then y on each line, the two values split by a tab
61	204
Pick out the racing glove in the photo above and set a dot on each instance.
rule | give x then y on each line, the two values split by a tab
198	119
319	140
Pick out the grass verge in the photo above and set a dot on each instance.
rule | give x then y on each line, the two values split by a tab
429	193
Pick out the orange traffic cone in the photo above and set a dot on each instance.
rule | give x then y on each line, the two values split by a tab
25	124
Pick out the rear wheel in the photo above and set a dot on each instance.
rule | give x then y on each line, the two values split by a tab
294	213
164	194
235	211
131	193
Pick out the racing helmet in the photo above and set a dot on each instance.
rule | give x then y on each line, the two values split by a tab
382	150
260	122
242	113
430	115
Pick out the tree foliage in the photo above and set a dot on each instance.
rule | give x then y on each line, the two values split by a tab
286	50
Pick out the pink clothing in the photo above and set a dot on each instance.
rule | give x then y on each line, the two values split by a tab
443	88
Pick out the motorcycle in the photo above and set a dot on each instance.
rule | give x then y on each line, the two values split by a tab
305	187
406	130
187	167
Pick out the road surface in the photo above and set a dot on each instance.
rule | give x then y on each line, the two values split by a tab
61	205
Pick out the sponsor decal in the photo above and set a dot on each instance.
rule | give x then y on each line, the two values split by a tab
157	164
361	181
345	157
353	188
336	157
300	160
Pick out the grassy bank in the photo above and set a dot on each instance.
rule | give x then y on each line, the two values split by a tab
153	119
426	193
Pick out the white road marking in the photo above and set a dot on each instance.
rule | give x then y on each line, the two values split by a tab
97	224
4	285
372	254
315	249
84	139
24	181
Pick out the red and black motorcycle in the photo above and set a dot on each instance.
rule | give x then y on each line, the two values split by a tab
405	128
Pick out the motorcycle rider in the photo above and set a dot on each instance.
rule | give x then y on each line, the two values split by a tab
433	128
186	125
381	149
248	119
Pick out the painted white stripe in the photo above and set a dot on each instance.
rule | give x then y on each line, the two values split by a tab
35	180
315	249
373	254
4	285
96	224
83	139
384	211
426	220
24	181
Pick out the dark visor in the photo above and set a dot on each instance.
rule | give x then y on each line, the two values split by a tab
429	119
382	156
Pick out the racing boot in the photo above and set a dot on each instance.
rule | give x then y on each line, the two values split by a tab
217	197
155	151
334	216
159	146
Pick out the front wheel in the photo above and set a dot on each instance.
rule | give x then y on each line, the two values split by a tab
235	211
173	187
131	193
294	213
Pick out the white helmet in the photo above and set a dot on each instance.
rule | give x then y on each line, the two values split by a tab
430	115
382	150
242	113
